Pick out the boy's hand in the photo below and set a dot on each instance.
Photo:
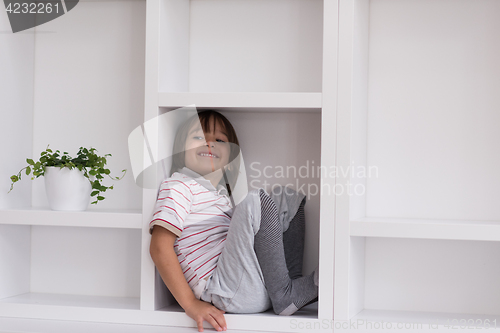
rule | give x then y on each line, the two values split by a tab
200	311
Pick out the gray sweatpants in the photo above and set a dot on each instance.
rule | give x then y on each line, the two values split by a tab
237	284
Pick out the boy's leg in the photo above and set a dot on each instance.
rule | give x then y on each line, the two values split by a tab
237	283
287	295
293	243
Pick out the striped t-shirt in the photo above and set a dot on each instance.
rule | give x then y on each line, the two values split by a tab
190	207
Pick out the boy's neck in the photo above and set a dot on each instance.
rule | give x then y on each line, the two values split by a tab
214	177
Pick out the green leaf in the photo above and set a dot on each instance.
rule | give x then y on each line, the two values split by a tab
93	202
28	170
100	198
14	178
94	193
30	161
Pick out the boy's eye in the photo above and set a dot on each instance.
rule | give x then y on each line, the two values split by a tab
203	138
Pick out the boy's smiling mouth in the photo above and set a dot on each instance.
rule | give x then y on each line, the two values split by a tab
207	155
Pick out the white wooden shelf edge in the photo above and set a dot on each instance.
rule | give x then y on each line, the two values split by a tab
242	100
265	321
426	228
81	301
128	219
126	311
417	321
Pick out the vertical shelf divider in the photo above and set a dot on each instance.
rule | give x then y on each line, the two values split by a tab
328	135
150	111
343	156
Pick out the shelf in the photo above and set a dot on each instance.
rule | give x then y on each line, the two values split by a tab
84	301
421	320
74	308
312	101
425	228
265	321
126	311
125	219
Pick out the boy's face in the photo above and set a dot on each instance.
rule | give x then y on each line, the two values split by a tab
206	152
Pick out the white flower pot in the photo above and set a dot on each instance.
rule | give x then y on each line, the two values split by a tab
67	189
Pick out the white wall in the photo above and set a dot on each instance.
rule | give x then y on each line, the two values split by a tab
85	261
89	88
235	46
16	110
275	145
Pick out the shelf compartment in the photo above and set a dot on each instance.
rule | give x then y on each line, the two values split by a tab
100	263
218	46
277	148
421	320
427	275
126	219
425	228
312	101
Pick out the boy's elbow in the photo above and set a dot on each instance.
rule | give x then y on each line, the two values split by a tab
154	249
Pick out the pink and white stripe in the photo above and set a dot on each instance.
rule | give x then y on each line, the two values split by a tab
199	218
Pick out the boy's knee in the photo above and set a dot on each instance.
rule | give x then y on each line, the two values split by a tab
267	203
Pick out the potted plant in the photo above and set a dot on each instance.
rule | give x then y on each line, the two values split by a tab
70	182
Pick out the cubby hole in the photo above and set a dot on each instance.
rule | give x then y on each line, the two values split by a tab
424	106
240	46
279	146
424	280
70	266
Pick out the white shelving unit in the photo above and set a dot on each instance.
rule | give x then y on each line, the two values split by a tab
269	66
417	100
406	89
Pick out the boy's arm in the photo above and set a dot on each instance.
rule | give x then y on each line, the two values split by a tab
163	255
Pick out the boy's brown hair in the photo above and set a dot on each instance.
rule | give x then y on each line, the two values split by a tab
205	117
